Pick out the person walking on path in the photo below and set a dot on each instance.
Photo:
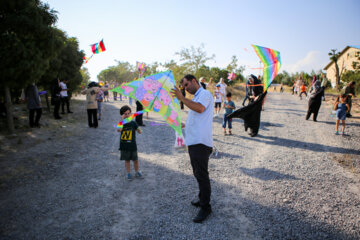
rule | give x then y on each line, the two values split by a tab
33	104
128	148
303	90
198	137
106	92
91	104
340	106
350	93
316	96
222	86
218	99
229	107
64	97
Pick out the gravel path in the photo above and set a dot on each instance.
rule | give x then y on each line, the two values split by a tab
286	183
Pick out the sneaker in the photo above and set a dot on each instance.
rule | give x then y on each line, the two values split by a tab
336	132
139	175
230	133
129	177
342	133
225	133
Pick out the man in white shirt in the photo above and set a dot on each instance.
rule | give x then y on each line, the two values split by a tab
198	138
64	96
222	86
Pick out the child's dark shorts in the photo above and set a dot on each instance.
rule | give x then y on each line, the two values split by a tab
128	155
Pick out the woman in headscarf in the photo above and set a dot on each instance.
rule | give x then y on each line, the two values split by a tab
316	95
252	112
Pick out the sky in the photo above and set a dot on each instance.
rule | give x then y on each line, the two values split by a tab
152	30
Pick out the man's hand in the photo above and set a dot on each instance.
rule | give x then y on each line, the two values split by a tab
182	125
175	92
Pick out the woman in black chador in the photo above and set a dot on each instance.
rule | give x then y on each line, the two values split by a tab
316	95
252	112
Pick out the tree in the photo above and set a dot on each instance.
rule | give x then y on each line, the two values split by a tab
334	56
66	64
233	64
85	77
27	42
178	70
122	72
194	57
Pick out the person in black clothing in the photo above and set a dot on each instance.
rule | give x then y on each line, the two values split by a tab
55	98
139	118
202	82
252	112
33	103
316	95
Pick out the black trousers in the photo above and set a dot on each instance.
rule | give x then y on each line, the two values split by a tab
32	122
199	158
115	96
65	100
303	93
92	118
56	108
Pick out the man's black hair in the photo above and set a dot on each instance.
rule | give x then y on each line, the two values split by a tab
189	77
123	109
228	94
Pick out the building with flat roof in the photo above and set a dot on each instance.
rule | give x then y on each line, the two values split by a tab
346	60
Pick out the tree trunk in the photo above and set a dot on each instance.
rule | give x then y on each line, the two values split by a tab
337	76
9	110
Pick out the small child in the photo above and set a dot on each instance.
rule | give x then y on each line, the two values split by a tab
128	148
229	106
341	106
218	100
99	99
303	90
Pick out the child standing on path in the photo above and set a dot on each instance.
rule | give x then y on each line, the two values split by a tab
218	99
341	107
128	148
303	90
229	106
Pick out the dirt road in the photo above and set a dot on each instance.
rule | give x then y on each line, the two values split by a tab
287	183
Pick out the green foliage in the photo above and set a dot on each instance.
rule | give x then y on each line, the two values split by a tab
65	65
193	58
85	75
350	76
122	72
28	41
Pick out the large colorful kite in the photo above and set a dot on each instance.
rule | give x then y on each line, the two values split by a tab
153	92
272	62
95	48
141	67
98	47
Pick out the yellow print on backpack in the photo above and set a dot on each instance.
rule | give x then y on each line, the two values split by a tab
126	135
